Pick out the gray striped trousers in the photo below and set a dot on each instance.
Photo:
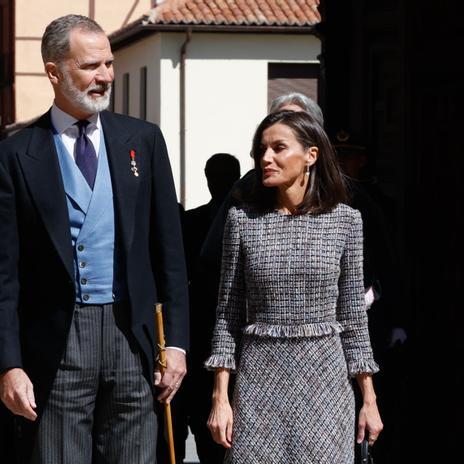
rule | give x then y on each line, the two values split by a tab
101	408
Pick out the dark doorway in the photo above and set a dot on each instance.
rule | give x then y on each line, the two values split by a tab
393	80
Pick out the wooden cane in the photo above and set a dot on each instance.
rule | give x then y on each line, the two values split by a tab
162	368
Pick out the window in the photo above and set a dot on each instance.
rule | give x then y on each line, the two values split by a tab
143	93
284	78
125	93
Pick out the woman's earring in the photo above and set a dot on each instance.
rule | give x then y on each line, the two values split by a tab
307	169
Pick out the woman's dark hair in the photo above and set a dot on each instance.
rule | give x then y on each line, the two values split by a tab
326	187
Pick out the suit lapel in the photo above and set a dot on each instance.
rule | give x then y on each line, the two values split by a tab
43	176
125	184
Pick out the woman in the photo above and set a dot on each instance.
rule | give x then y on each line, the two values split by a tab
291	317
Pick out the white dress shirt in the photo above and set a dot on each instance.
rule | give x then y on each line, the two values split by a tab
68	132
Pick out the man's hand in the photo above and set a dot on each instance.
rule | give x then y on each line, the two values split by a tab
17	393
176	369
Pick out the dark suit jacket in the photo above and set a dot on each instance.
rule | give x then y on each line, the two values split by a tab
37	294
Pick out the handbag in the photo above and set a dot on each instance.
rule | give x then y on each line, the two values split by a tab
366	457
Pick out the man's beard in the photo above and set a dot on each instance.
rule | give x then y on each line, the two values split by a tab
81	98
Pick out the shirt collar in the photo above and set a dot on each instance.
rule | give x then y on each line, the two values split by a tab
63	121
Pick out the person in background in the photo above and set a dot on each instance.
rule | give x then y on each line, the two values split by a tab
378	213
297	102
387	314
90	240
192	404
222	170
291	318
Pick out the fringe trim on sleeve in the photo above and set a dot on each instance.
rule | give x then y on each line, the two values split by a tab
220	361
317	329
362	366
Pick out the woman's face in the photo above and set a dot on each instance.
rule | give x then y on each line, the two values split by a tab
283	159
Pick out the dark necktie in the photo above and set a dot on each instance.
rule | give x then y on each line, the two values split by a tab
86	158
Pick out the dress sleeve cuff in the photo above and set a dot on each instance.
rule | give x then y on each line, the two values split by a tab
217	361
364	366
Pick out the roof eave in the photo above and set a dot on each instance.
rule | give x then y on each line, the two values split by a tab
140	30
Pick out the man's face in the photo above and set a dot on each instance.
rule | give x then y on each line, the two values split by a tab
84	86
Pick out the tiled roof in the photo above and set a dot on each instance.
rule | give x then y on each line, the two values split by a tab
237	12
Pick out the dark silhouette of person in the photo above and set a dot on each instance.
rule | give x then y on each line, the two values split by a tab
222	170
378	212
386	314
192	404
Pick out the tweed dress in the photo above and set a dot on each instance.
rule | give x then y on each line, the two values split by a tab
291	321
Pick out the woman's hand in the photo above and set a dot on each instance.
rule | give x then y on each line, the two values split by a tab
369	419
220	423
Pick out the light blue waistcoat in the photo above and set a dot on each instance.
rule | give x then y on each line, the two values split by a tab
91	218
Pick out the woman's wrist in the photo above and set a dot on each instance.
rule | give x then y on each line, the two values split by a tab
370	400
220	398
367	389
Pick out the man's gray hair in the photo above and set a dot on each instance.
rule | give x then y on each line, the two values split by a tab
305	103
55	41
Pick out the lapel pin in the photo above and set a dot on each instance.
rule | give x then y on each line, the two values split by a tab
133	163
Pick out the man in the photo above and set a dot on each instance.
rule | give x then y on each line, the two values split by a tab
90	240
222	170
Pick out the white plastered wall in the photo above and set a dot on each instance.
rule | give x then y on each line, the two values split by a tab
143	53
226	93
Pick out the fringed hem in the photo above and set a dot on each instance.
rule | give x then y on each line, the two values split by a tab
217	361
362	367
317	329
